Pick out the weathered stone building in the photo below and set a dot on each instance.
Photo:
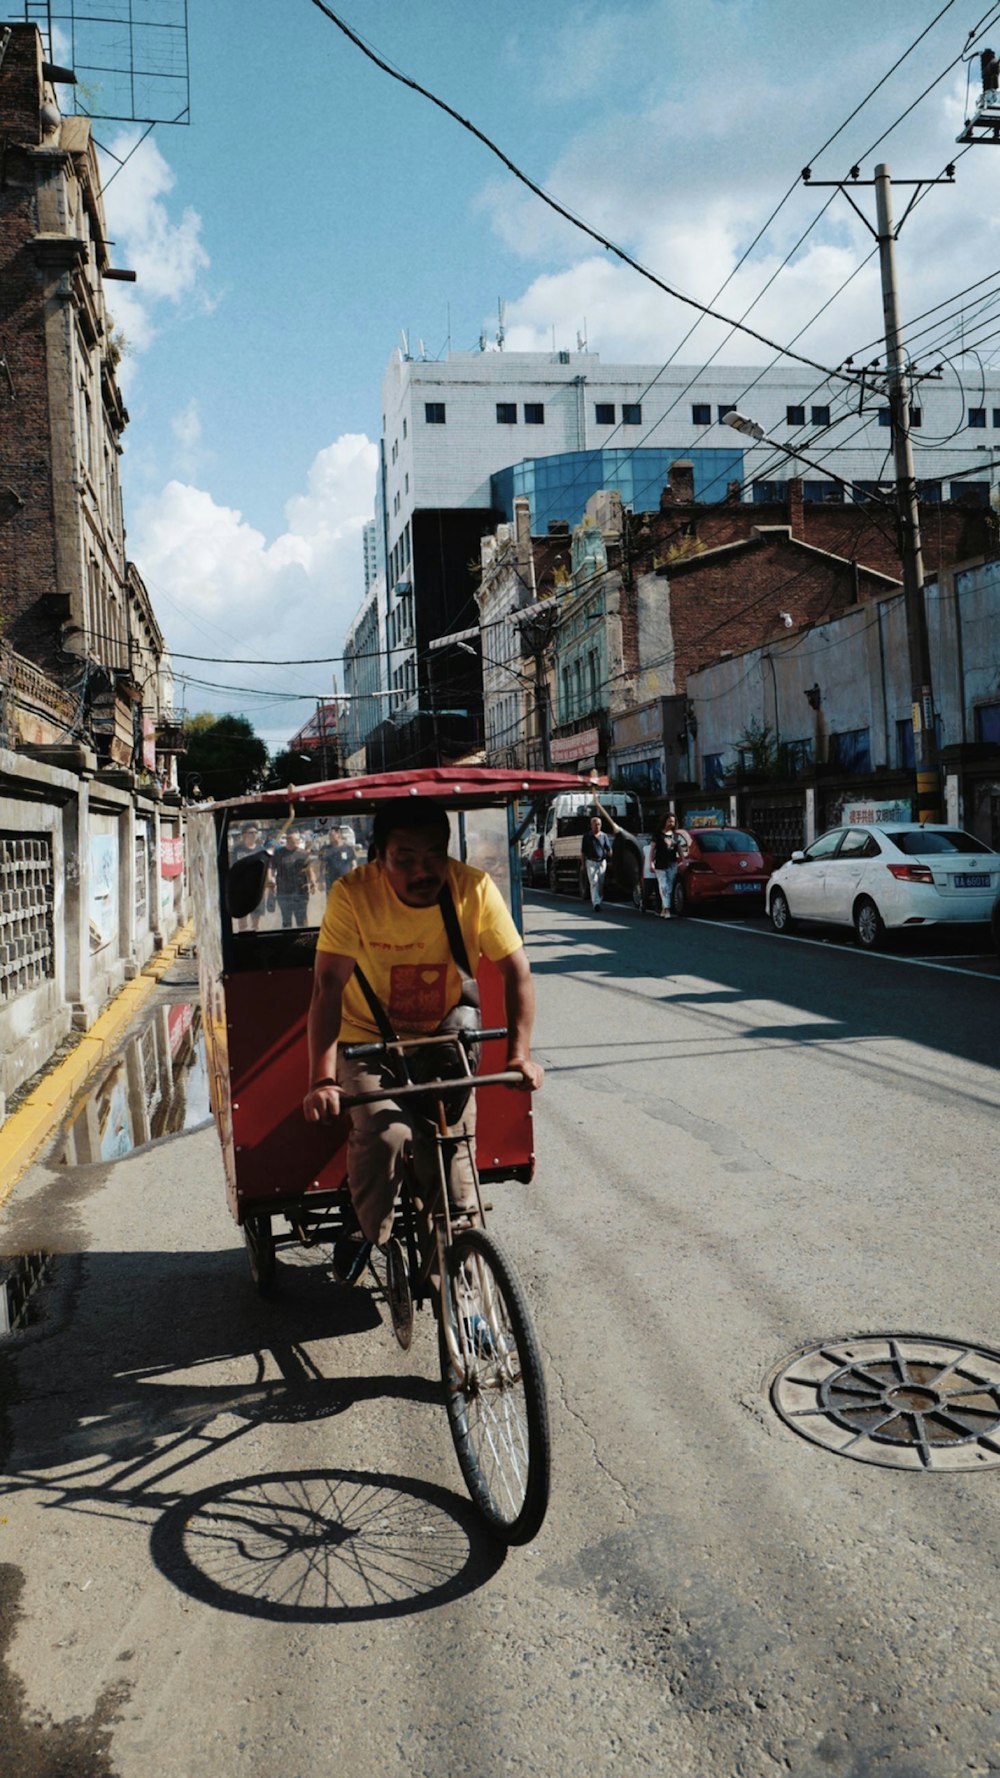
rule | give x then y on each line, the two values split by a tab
65	583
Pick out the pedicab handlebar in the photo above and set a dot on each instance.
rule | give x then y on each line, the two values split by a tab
509	1078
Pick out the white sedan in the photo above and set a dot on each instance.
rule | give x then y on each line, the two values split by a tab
896	875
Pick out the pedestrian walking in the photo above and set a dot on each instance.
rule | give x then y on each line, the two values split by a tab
595	850
669	847
293	879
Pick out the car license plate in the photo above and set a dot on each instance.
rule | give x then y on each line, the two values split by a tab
973	880
747	888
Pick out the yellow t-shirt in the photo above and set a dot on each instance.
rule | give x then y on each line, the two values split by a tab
404	951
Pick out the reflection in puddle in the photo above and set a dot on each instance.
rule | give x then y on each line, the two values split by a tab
157	1087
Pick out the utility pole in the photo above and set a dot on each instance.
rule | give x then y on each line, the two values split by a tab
898	370
537	626
928	784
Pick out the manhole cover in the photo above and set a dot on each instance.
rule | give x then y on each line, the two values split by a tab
896	1399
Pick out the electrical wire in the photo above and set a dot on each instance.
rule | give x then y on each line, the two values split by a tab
553	203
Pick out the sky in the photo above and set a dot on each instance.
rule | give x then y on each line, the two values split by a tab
314	207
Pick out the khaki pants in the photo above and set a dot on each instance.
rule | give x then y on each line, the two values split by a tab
380	1134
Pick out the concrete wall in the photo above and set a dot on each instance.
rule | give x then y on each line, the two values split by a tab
84	903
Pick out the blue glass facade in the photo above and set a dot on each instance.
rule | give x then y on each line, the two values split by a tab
559	487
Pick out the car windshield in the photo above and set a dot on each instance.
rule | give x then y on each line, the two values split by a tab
918	842
729	841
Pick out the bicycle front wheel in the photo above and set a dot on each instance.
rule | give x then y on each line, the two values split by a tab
494	1387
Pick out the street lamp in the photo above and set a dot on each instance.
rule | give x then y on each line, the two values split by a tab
752	429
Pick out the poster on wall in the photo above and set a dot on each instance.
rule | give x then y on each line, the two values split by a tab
171	855
171	867
103	889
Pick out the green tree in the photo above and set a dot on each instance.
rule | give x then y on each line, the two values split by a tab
293	768
223	757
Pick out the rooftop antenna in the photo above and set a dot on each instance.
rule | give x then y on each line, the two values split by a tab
501	323
423	351
404	342
581	338
483	342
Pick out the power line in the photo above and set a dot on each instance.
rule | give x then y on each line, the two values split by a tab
554	204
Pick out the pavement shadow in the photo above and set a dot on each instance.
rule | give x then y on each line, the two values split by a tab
114	1399
836	994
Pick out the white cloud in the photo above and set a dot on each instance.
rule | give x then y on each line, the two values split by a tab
186	426
166	255
685	176
220	589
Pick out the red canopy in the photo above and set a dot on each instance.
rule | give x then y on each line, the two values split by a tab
457	786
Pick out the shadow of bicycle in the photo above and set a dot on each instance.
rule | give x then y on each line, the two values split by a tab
323	1546
156	1395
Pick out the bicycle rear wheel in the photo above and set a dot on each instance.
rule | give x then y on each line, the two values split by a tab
494	1387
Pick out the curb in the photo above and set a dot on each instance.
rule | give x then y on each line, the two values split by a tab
27	1129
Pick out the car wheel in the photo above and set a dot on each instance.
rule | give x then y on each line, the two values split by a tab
781	913
869	925
679	899
551	878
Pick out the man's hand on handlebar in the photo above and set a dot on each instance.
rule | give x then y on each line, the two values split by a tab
321	1104
532	1073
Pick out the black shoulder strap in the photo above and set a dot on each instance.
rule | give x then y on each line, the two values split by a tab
453	929
375	1006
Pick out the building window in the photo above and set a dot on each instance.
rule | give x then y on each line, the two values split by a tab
506	413
929	492
830	493
795	757
820	416
534	413
404	428
885	416
988	723
434	413
851	750
713	771
604	413
795	416
864	492
972	493
701	413
726	407
767	493
916	416
631	413
977	417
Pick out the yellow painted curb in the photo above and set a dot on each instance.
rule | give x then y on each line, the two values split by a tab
27	1129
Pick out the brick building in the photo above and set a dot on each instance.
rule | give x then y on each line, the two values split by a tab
68	602
648	598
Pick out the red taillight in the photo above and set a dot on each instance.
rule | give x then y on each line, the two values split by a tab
912	873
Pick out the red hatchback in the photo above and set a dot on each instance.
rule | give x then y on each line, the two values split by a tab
723	864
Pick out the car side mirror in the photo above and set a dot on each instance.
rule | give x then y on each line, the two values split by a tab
246	881
798	858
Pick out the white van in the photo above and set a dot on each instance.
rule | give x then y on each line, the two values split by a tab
567	820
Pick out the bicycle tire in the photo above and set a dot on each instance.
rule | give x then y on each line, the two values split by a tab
258	1236
495	1397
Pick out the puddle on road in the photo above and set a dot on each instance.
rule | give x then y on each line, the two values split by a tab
157	1086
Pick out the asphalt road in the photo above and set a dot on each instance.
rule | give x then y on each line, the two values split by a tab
233	1537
